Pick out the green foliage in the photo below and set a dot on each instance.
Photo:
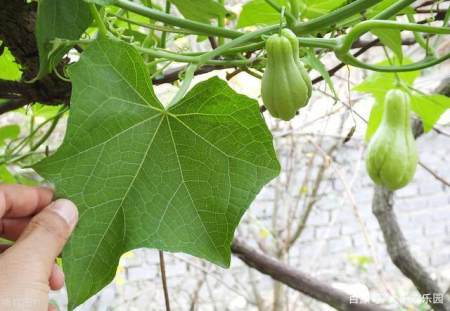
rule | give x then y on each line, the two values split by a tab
428	107
67	19
176	179
314	62
314	8
8	132
9	68
361	261
258	12
392	157
179	178
391	38
200	10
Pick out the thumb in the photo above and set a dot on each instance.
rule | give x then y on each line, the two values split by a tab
45	236
27	265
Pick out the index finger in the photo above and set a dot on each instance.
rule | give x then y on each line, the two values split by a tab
22	201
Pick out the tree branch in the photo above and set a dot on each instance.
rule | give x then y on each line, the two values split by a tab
397	246
17	33
297	280
13	104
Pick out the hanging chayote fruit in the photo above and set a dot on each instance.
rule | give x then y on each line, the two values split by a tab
392	157
286	86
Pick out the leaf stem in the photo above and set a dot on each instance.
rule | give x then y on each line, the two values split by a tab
188	77
162	43
419	38
290	18
156	27
98	20
295	8
221	23
202	59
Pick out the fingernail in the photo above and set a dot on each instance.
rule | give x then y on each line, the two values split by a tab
67	210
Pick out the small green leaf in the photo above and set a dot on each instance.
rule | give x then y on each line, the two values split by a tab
200	10
6	177
10	70
392	39
430	108
67	19
258	12
8	132
374	119
176	179
316	8
314	62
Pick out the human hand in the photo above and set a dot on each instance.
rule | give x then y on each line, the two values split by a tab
40	228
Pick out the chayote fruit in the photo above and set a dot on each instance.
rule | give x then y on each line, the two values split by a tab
285	86
392	156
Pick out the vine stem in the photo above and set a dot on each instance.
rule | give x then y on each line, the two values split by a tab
346	42
295	8
162	43
158	53
202	28
334	17
234	43
34	146
393	9
420	40
221	23
162	266
210	30
98	20
205	58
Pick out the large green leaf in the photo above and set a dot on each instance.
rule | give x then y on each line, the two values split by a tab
176	179
200	10
66	19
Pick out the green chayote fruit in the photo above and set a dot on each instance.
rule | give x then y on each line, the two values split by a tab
296	51
392	156
285	86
